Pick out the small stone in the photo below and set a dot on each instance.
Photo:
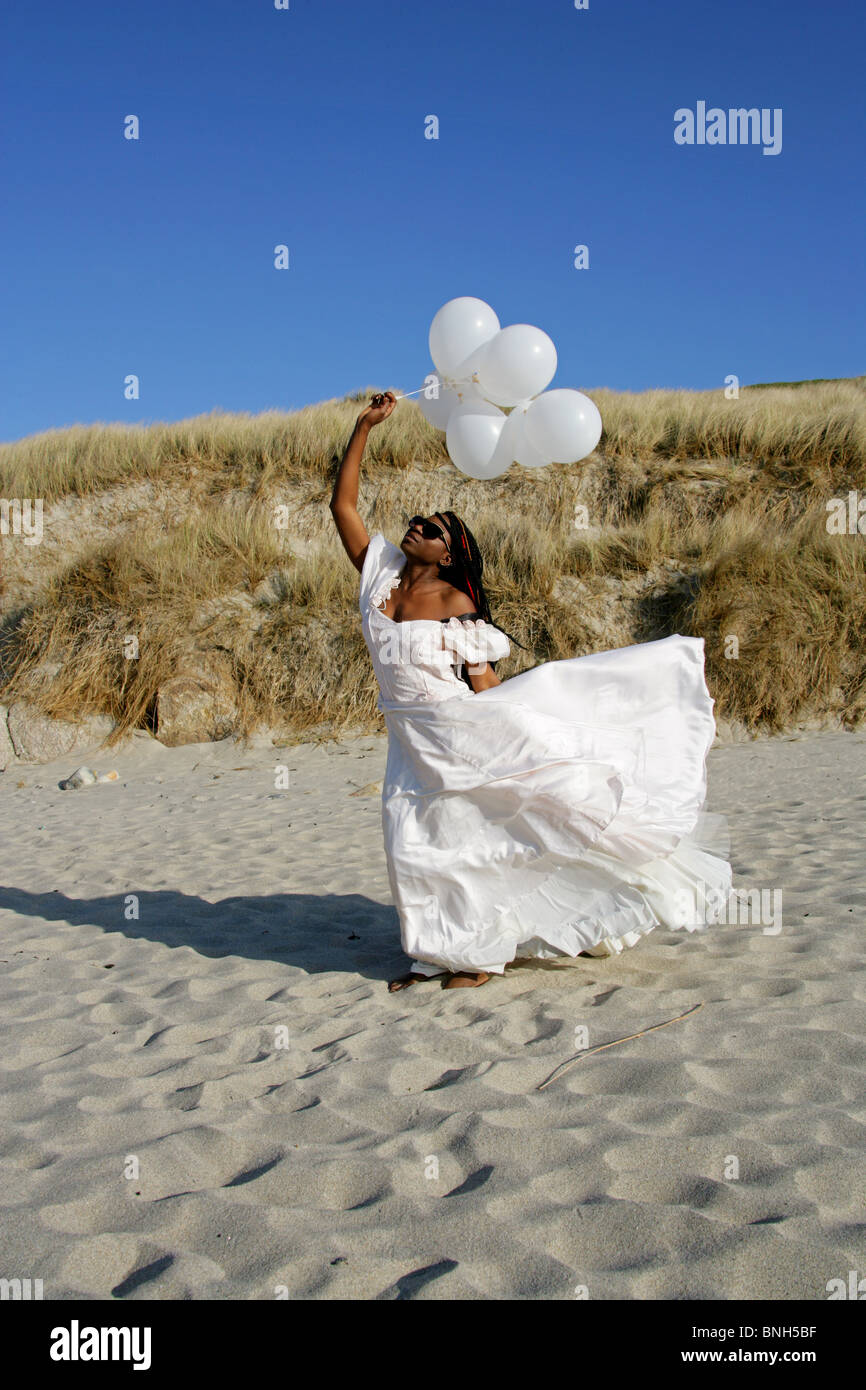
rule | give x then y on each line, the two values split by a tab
81	777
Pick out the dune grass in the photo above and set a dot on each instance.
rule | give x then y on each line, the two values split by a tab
703	516
802	425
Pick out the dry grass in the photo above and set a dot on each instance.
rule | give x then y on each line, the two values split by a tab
224	451
706	516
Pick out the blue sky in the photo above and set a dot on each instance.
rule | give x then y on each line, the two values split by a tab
306	127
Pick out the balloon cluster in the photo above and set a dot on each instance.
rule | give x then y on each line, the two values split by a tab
481	367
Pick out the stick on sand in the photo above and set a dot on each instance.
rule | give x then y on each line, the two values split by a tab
563	1066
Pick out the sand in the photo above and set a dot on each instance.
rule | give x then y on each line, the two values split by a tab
207	1091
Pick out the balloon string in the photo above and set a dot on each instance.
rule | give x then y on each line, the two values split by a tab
455	381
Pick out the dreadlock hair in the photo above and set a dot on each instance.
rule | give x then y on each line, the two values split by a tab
464	572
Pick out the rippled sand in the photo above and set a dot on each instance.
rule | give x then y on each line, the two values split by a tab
207	1091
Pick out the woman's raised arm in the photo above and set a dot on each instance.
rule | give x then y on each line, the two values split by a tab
344	499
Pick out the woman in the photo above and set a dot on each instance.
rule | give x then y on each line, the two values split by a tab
555	815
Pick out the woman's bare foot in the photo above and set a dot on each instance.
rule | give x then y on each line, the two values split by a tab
404	981
462	979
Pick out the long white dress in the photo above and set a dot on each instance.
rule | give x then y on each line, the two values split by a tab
559	812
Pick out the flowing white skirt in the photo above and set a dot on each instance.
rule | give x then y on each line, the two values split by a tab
559	812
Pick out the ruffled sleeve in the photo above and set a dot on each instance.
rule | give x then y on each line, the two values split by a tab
380	571
475	641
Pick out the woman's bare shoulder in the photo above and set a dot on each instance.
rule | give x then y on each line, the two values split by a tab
458	605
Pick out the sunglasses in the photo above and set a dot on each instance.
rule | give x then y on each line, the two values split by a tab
429	530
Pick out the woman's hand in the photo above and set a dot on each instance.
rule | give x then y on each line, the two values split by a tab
379	409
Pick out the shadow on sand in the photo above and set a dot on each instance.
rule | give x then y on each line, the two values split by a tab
314	932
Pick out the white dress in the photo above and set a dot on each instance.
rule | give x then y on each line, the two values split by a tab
558	812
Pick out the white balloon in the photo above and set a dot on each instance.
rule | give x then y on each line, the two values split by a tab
564	425
458	328
524	453
506	449
518	362
472	436
465	374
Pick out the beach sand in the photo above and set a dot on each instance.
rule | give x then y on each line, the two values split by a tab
208	1093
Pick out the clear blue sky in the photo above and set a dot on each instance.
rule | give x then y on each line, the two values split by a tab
306	127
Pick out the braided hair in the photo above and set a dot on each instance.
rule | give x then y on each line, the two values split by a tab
464	572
